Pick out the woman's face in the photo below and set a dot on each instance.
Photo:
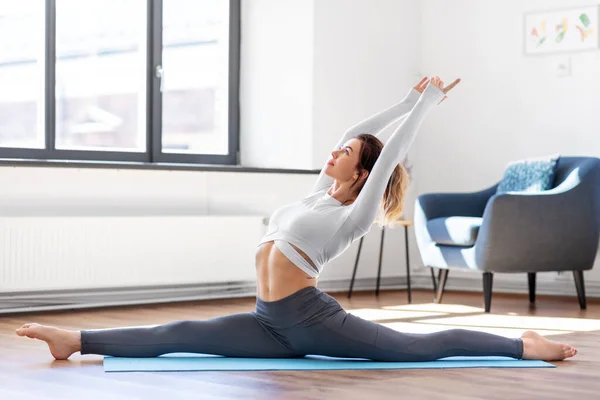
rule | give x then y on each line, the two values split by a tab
343	162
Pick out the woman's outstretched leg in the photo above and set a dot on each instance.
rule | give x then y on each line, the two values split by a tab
238	335
339	334
463	342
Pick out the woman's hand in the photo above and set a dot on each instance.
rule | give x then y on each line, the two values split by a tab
440	84
419	87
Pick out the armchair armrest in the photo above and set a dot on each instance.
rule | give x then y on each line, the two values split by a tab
549	231
436	205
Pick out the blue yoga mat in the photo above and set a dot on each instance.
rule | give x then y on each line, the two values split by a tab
196	362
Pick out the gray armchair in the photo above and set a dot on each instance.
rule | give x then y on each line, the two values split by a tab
515	232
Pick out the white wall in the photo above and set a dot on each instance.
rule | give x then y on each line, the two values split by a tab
509	105
310	69
113	192
366	59
276	83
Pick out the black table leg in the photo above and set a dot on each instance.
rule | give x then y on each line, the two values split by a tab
407	263
380	257
433	280
360	243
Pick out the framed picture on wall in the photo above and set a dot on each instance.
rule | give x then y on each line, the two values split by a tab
572	29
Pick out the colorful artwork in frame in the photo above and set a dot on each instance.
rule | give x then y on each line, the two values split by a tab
573	29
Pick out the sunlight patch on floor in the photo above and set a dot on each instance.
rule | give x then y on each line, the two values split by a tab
375	314
440	308
520	322
420	327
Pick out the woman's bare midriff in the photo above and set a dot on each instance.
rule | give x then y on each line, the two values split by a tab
277	277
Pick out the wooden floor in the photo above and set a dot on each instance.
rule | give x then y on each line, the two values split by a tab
27	370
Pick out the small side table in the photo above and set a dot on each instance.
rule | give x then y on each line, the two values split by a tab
405	224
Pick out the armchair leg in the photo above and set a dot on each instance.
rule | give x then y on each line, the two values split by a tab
580	286
531	281
488	279
433	281
442	277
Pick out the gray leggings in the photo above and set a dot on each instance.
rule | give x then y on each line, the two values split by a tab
306	322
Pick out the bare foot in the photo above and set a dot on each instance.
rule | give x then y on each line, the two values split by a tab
537	347
62	343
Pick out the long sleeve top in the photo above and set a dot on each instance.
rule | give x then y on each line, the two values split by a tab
321	226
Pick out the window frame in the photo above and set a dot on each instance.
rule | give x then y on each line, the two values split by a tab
153	152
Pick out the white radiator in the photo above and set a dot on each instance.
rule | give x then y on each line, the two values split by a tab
65	253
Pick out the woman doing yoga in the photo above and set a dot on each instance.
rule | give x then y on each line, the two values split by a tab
292	317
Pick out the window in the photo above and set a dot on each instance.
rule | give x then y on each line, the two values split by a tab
22	74
119	80
100	91
195	88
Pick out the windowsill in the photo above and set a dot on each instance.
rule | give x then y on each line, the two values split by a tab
9	162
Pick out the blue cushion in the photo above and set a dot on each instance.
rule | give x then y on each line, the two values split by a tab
454	231
529	175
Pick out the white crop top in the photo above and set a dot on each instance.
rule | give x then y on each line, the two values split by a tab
323	228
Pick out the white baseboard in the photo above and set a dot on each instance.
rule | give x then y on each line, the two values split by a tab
20	302
24	302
